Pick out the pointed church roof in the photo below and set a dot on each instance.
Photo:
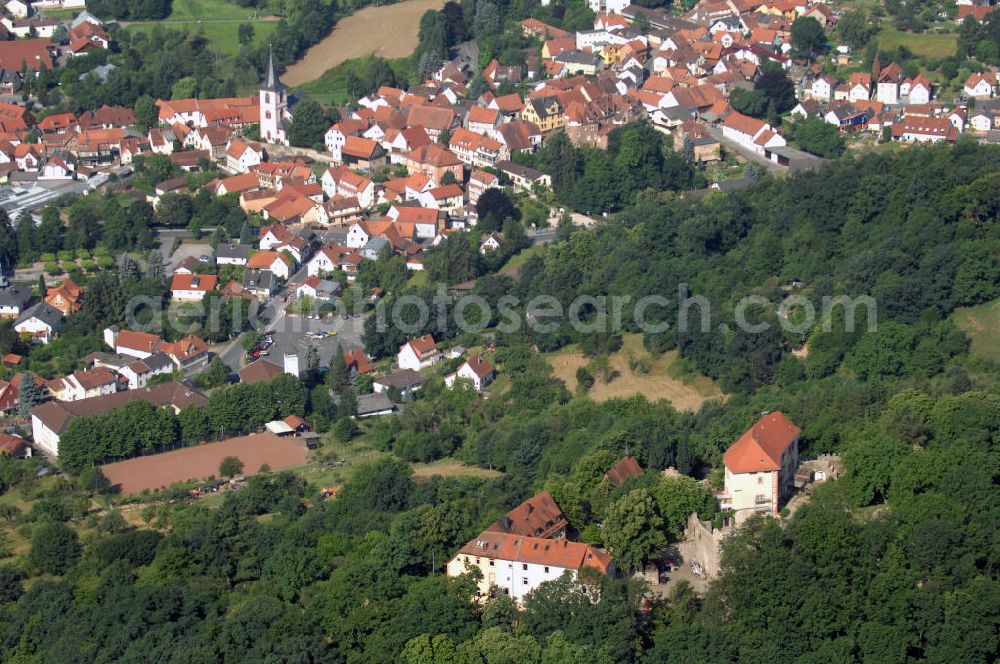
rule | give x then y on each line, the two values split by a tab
271	82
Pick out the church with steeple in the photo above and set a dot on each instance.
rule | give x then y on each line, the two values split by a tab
274	113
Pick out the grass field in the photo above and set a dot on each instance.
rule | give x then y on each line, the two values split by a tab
452	468
331	87
224	37
214	10
930	44
982	325
685	393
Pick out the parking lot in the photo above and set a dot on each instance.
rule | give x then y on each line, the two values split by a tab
290	336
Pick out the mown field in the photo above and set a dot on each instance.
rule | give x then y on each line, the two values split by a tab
930	44
220	21
223	36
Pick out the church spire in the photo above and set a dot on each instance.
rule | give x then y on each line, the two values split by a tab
271	82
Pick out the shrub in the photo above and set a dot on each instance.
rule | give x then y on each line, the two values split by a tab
82	254
47	257
53	268
66	255
88	265
105	261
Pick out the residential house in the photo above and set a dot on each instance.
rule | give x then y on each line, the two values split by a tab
259	283
981	85
483	121
241	156
750	133
490	243
12	300
860	87
760	467
476	370
545	112
84	384
523	177
191	287
188	354
322	290
337	134
449	198
476	150
419	353
138	373
41	322
433	161
406	381
696	137
65	297
128	342
357	362
889	80
275	262
479	182
232	254
364	154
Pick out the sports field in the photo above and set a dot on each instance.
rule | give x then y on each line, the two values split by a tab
158	471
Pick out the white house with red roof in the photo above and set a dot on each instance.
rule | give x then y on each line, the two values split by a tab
273	236
760	467
241	156
191	287
419	353
516	564
476	370
981	85
753	134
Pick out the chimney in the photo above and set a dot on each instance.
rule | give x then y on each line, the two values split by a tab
292	364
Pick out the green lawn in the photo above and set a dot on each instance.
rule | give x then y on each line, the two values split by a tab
982	325
224	37
930	44
331	87
216	10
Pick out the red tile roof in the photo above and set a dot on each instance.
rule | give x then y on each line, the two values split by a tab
194	282
535	550
538	516
760	448
626	467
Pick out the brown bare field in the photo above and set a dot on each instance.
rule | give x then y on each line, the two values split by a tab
389	31
683	393
159	471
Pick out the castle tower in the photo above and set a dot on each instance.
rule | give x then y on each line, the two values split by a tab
273	106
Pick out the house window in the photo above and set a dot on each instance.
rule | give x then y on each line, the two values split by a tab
546	569
491	563
760	479
524	580
524	566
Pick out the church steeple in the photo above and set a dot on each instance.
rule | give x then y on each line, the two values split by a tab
273	106
271	81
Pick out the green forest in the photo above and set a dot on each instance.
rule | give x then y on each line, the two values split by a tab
895	562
